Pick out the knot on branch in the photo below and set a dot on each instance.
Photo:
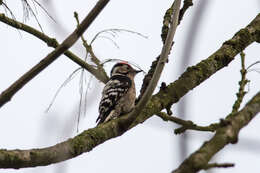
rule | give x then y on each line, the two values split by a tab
224	122
52	42
231	135
163	86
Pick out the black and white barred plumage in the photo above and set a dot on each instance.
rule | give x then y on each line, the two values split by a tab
118	95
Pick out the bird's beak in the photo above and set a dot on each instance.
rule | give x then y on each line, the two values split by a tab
138	71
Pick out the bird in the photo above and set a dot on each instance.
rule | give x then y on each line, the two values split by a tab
118	95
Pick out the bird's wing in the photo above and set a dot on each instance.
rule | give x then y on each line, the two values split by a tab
114	89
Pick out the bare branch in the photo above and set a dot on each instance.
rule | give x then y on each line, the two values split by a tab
218	165
51	57
71	76
187	4
46	12
242	83
114	31
257	62
7	9
27	10
187	125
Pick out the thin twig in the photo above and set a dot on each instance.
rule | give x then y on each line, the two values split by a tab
242	83
186	5
218	165
71	76
51	57
46	12
114	31
8	9
187	125
27	10
257	62
89	49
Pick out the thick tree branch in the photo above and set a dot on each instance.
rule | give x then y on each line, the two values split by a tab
51	57
225	135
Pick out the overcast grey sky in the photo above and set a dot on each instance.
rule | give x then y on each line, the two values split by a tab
149	147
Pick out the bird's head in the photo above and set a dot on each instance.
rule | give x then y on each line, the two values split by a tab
123	68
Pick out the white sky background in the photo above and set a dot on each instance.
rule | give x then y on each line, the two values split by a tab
149	147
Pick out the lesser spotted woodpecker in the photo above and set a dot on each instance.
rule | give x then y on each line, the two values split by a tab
118	95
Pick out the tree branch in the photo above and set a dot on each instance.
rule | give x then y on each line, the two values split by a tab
185	125
242	83
51	57
224	135
187	4
165	28
89	50
218	165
